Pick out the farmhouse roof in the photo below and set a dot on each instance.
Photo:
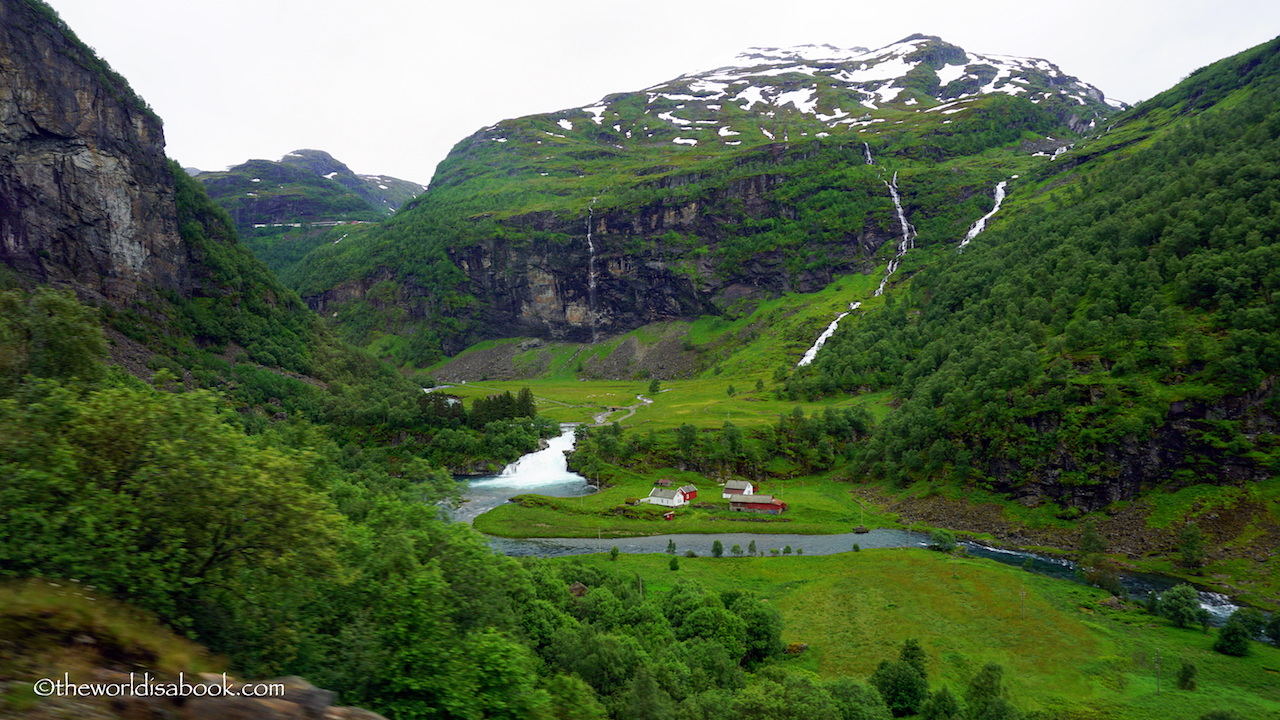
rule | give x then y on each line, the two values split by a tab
757	500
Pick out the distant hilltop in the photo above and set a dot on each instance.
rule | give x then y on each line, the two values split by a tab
303	187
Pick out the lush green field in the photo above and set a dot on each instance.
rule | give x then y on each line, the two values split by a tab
1065	655
703	403
815	506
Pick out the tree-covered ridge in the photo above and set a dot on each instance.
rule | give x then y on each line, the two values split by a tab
240	332
1137	295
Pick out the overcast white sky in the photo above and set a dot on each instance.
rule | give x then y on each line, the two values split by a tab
388	86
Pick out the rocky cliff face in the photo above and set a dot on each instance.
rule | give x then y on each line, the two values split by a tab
640	277
86	197
542	288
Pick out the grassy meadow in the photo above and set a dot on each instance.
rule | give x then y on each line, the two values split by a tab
1065	654
816	506
702	402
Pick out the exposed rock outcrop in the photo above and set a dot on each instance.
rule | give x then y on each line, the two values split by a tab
86	197
650	266
1187	443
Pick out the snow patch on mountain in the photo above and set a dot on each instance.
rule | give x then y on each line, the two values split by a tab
777	83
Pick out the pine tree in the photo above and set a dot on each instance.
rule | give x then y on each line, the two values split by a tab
913	655
1091	543
525	404
1191	546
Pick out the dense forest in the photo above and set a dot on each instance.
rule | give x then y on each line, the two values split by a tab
295	552
1149	280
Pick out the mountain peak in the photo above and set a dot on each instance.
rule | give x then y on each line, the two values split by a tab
762	56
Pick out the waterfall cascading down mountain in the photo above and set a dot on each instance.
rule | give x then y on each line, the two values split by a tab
981	223
867	148
812	352
908	235
591	276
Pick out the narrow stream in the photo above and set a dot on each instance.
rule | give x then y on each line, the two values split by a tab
546	472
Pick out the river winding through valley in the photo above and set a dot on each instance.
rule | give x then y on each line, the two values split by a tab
546	472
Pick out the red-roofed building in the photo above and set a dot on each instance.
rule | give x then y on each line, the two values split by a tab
766	504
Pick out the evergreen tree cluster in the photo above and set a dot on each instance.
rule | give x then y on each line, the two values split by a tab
503	406
808	443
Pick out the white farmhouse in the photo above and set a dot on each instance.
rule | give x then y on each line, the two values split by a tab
736	489
665	497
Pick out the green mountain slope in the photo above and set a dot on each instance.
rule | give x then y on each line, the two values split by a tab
700	196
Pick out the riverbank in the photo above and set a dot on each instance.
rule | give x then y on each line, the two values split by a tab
538	497
825	511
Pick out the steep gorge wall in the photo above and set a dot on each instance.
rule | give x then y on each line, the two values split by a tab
541	287
86	197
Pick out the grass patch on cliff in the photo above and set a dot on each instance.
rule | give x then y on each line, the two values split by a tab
1065	655
776	333
63	625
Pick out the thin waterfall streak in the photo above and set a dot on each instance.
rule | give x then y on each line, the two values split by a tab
981	223
908	235
591	275
812	352
867	148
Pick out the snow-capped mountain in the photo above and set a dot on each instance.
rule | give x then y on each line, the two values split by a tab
774	94
891	73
